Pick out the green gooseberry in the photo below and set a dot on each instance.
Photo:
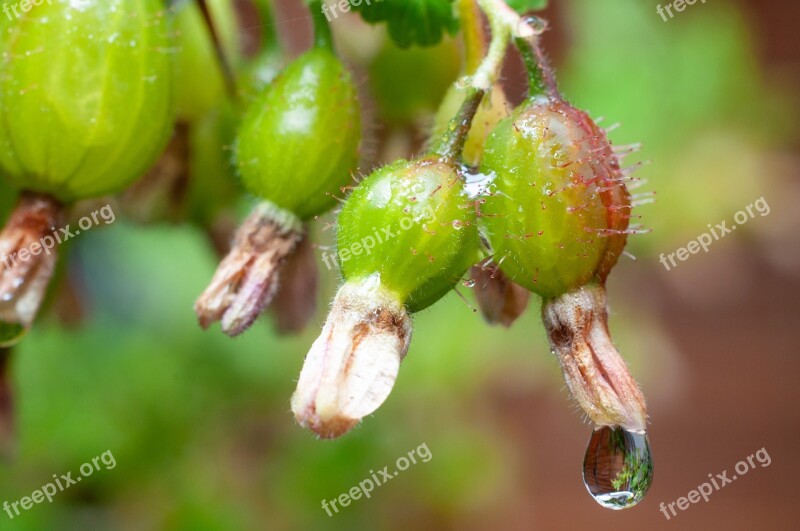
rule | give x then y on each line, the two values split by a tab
298	142
85	95
557	209
412	224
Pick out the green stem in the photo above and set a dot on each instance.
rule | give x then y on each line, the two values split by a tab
540	74
322	30
475	38
505	24
269	31
451	144
225	65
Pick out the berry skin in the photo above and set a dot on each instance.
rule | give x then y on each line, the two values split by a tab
411	224
85	95
298	143
558	210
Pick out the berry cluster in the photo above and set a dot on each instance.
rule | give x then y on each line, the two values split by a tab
530	200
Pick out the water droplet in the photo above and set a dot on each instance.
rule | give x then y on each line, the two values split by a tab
537	24
618	467
469	283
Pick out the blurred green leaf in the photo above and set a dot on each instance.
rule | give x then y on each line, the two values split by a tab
420	22
524	6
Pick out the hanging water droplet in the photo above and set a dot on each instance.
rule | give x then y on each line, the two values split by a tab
618	467
538	25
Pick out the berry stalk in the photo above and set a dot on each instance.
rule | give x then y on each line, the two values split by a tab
225	65
541	79
322	30
475	38
451	145
266	18
505	23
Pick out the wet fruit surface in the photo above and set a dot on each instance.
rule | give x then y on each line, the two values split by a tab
409	222
557	197
85	103
298	144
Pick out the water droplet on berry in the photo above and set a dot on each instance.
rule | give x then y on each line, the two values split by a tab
469	283
537	24
618	467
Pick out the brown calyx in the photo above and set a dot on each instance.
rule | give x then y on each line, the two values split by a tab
247	278
28	251
597	377
500	299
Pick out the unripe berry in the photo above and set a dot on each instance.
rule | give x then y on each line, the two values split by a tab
296	147
298	143
414	222
213	187
406	235
258	74
557	212
85	105
85	108
557	218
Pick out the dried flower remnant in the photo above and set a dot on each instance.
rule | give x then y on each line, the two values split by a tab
247	278
352	367
597	377
28	251
295	302
500	300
